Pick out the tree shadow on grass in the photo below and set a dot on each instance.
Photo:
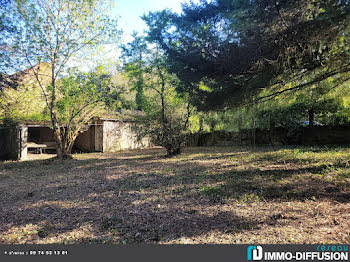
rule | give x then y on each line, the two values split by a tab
284	185
140	224
141	202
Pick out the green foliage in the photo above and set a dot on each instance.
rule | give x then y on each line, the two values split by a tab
239	48
83	93
167	113
329	105
320	103
25	101
81	97
246	198
54	32
9	122
7	27
133	55
212	191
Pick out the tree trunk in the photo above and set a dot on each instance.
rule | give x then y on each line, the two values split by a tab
253	131
57	135
55	126
173	151
63	146
311	117
240	128
272	126
200	124
66	154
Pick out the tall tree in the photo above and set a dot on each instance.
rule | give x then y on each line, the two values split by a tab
166	113
237	48
82	97
55	31
7	27
133	55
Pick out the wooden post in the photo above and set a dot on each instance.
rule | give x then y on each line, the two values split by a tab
23	142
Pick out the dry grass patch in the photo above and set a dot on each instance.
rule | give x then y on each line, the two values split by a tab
205	195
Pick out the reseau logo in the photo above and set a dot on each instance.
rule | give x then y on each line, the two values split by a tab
322	253
255	253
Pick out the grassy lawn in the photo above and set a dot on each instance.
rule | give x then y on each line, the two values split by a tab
205	195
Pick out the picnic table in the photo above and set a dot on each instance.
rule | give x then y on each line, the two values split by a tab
40	147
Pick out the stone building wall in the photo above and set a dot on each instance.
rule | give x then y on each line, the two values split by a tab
109	136
121	136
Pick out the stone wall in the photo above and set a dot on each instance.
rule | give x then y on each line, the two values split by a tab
324	135
317	135
121	136
109	136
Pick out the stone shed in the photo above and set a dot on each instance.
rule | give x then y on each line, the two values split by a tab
110	135
103	135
